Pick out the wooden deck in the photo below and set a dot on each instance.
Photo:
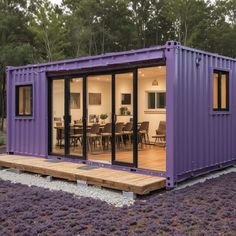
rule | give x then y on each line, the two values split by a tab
98	176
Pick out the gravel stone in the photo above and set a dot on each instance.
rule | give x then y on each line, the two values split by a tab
112	197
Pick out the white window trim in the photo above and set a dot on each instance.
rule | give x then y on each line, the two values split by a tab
155	110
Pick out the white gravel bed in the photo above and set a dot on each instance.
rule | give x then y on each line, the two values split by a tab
112	197
203	178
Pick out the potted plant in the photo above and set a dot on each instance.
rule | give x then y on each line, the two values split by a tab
123	110
103	117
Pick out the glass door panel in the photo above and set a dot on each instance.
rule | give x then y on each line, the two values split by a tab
57	117
99	118
76	117
152	118
123	122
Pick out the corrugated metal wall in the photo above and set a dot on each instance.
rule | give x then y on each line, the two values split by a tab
29	136
202	138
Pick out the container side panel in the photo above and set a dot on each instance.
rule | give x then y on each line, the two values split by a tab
27	135
203	138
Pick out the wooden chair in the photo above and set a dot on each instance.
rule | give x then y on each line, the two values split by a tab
106	135
143	132
76	135
119	134
128	131
160	137
59	133
94	136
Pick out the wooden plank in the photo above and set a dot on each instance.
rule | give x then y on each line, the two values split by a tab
106	177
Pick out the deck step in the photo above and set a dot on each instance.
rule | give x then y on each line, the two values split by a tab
129	182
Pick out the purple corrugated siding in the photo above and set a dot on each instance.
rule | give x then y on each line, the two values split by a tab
197	139
30	136
202	139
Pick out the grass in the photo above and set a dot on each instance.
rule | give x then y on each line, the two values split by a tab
2	138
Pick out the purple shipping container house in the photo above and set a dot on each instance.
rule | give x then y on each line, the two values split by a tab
200	108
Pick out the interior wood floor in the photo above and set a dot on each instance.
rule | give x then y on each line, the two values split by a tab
150	157
99	176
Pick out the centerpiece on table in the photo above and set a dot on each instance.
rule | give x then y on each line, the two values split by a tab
123	111
103	117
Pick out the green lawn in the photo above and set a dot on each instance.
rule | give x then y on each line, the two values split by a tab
2	138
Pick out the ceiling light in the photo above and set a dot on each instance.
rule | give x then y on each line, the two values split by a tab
154	82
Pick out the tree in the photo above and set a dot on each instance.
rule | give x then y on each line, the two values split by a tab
15	42
141	10
99	26
47	24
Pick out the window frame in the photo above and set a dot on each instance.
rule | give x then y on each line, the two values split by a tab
220	111
219	90
17	101
155	92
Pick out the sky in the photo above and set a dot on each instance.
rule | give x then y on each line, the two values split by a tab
56	1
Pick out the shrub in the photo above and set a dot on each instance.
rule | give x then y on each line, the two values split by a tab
2	141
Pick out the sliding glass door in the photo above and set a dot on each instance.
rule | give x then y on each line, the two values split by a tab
56	117
124	123
95	117
66	117
75	112
99	118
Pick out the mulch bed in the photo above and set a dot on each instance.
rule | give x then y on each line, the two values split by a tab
204	209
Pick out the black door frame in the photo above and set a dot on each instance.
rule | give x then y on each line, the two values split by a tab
132	69
67	117
135	139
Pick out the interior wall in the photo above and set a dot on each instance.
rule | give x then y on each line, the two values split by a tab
103	86
145	84
124	84
57	105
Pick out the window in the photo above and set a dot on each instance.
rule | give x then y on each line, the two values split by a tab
156	100
220	90
24	100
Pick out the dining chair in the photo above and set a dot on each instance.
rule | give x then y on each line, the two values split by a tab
160	137
119	134
76	135
106	135
143	132
128	131
94	136
59	133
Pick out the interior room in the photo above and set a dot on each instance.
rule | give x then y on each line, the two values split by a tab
151	111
